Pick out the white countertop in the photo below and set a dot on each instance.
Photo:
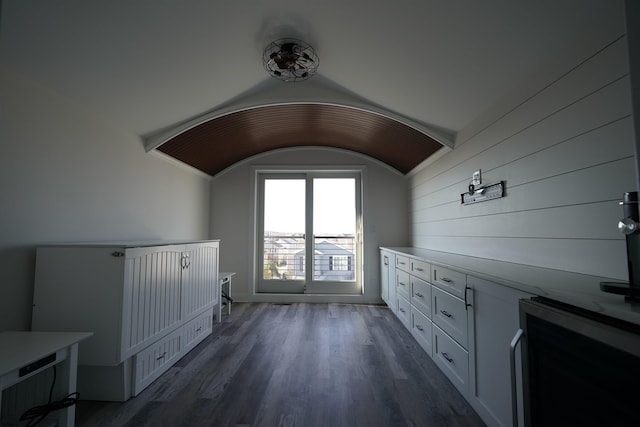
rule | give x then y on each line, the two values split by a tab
126	244
580	290
20	348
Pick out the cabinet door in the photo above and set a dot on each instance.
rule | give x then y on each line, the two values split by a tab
402	263
384	276
421	295
151	297
451	315
421	269
393	299
404	311
451	281
403	284
200	288
495	322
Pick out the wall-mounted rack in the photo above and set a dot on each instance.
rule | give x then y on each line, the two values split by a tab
482	194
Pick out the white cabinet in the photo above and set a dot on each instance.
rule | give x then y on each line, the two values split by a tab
449	280
387	278
140	301
453	324
450	314
407	292
452	359
495	319
422	330
421	295
403	284
404	311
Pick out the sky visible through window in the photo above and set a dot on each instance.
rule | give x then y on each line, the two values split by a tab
333	206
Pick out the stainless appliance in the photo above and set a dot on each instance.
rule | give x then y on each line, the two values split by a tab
579	368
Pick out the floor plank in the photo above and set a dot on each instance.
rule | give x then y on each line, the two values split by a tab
296	365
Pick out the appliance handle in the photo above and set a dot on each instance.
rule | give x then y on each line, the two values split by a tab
514	386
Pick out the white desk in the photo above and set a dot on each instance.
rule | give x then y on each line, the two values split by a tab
20	349
225	289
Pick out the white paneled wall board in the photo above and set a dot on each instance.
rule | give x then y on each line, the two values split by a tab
570	222
574	188
566	155
607	143
592	257
605	67
611	103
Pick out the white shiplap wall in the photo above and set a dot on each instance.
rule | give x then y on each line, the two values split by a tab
566	155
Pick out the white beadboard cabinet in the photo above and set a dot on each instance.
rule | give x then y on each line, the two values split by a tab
147	304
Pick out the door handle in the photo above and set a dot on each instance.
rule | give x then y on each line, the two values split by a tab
514	386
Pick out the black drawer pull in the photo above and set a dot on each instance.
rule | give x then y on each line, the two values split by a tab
420	328
446	313
162	356
401	284
419	269
446	280
447	357
419	295
402	310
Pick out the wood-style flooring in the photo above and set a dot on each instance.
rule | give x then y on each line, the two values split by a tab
296	365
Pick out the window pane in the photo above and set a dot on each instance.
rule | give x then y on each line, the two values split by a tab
334	227
284	222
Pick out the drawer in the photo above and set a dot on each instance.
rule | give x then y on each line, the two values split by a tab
449	280
197	330
154	360
403	284
421	269
452	359
404	311
450	315
402	262
421	295
422	330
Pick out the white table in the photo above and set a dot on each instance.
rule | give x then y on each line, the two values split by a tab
225	288
18	350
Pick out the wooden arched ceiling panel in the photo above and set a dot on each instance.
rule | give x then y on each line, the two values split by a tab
219	143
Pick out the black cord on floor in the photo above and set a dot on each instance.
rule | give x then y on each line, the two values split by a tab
39	413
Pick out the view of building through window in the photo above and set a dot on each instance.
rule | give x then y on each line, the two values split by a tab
332	229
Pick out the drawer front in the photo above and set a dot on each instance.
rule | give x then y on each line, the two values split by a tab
403	284
404	311
452	359
197	330
421	269
402	262
450	315
154	360
421	295
449	280
422	330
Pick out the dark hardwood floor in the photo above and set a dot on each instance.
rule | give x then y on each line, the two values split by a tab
296	365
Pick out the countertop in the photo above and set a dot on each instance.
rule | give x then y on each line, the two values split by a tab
580	290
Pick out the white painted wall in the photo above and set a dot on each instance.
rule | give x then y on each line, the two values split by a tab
566	153
66	175
385	208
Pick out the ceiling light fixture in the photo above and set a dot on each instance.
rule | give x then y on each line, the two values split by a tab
290	60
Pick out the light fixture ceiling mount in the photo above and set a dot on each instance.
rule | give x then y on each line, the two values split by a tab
290	60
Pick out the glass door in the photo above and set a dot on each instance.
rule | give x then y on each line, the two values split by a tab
309	233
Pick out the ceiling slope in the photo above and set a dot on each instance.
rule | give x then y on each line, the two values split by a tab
217	144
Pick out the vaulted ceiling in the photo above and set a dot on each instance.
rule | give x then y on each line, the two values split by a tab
397	80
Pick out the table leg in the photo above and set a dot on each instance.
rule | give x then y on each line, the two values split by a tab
67	373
